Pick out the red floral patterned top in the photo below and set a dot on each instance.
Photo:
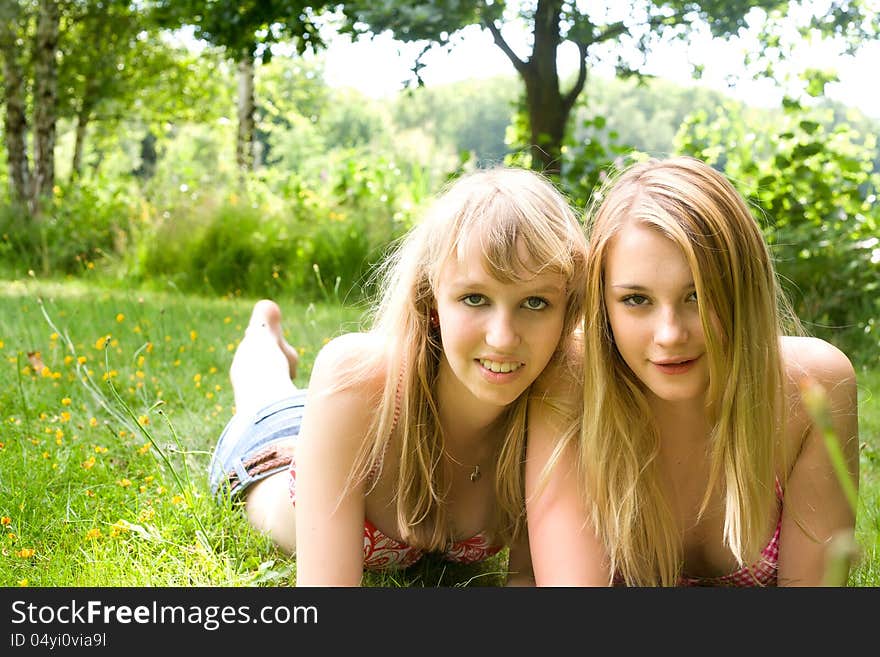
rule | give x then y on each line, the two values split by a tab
381	551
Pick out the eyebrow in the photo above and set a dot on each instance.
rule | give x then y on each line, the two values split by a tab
642	288
467	283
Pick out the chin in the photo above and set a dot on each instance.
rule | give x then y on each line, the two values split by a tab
498	397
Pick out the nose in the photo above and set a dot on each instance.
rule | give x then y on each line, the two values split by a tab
671	328
501	332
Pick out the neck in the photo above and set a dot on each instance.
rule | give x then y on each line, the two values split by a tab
681	422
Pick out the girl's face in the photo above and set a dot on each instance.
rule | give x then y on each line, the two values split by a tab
497	337
654	316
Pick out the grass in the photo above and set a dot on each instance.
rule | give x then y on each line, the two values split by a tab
110	401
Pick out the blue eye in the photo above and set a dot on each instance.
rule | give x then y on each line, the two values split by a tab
474	300
535	303
635	300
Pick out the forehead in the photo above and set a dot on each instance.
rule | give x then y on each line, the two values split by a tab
469	264
641	254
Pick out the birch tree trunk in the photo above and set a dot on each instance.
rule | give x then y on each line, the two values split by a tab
244	149
15	120
45	100
83	117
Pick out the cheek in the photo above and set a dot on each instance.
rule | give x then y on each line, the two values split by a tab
617	325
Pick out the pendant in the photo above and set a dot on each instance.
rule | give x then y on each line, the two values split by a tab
476	474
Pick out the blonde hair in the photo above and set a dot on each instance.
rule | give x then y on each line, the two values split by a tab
519	219
740	311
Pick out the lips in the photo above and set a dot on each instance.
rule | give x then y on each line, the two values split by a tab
675	365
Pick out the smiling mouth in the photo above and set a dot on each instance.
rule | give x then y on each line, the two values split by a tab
499	367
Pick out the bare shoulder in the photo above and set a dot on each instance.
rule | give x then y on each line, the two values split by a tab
354	362
805	357
820	379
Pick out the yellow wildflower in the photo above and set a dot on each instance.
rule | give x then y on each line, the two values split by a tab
93	533
119	527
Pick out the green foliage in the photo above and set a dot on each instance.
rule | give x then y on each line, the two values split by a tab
280	232
84	223
814	191
587	157
240	26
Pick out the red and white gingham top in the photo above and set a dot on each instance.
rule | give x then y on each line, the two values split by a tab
761	573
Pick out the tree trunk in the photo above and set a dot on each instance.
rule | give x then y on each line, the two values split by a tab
15	119
244	148
548	117
82	124
45	100
547	109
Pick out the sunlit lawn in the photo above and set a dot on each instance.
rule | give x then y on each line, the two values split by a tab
109	404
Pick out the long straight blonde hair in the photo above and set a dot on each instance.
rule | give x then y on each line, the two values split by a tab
520	220
740	310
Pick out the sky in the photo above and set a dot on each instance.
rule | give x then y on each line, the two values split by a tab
379	67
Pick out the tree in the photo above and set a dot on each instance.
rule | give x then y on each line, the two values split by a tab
115	68
631	30
15	118
246	30
31	185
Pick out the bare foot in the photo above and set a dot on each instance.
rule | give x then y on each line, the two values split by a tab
267	313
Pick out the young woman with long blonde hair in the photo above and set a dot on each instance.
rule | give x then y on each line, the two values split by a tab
698	462
410	437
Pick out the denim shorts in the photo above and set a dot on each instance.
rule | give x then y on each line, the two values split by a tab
247	449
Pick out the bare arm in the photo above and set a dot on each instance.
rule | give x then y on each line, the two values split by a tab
329	528
817	515
565	550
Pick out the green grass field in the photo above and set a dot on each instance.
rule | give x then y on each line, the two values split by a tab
110	401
